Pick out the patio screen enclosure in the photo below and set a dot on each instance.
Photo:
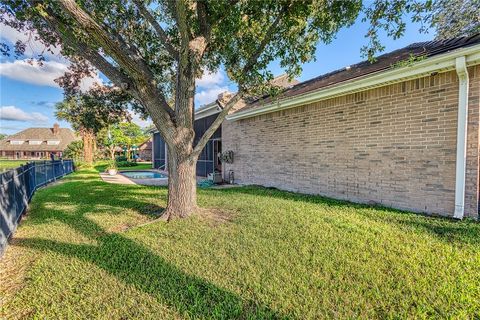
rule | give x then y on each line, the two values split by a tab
208	161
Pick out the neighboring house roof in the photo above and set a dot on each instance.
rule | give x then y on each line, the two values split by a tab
421	51
64	136
146	146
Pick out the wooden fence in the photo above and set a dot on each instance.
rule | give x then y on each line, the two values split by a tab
17	187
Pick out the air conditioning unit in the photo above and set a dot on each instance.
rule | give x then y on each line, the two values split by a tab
215	177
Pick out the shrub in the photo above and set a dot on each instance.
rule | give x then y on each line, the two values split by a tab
79	164
74	151
111	165
121	159
126	164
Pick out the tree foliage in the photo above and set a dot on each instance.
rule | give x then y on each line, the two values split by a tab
126	135
455	18
74	150
94	110
90	112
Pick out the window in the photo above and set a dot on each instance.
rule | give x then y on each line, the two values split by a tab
17	141
53	142
35	142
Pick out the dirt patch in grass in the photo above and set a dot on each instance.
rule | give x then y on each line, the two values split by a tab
152	209
216	216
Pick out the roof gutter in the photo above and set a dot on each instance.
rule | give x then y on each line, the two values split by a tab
440	63
462	72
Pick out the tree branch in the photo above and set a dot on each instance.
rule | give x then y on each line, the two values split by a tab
268	36
248	66
180	15
120	79
158	28
94	30
138	69
217	122
202	18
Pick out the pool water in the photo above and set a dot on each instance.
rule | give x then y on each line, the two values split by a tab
143	175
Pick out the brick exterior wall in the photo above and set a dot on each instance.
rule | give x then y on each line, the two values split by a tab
394	145
472	187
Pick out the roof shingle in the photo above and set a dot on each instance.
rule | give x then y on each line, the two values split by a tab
64	135
383	62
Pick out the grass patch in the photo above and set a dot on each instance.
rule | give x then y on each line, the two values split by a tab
10	164
102	165
260	253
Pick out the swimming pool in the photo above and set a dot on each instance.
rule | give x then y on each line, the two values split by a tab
143	175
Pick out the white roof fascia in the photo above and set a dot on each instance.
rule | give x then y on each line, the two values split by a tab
441	63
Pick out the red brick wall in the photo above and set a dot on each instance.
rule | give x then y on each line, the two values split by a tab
394	145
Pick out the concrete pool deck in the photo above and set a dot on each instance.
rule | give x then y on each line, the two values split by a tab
121	179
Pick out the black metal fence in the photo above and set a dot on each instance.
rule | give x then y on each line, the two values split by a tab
17	187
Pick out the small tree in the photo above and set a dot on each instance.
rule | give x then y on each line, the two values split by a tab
155	51
104	137
124	135
74	150
88	113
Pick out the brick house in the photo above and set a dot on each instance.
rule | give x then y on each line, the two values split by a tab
401	132
36	143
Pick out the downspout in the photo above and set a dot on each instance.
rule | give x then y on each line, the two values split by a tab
462	72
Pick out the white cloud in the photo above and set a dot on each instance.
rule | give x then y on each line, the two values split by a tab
12	113
87	83
34	73
33	47
210	79
209	95
43	75
137	120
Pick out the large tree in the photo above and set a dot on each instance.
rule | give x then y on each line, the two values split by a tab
90	112
155	51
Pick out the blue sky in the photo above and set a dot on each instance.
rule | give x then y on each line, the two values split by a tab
28	93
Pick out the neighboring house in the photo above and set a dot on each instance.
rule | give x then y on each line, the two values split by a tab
145	150
36	143
401	132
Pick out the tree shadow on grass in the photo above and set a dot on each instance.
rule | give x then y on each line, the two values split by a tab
271	192
446	230
136	265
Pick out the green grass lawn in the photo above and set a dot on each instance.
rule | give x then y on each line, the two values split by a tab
102	165
10	164
82	252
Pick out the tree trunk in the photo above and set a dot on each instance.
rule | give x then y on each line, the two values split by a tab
87	146
182	185
112	153
94	147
